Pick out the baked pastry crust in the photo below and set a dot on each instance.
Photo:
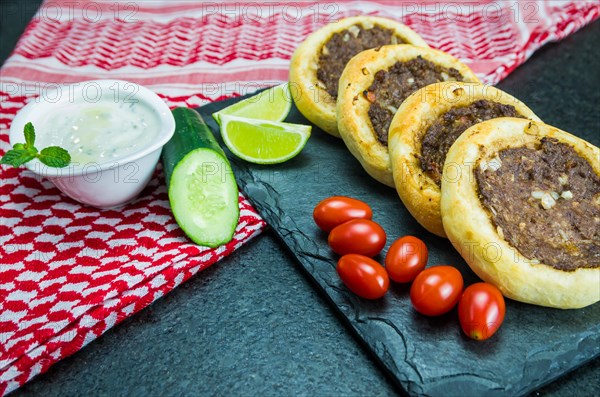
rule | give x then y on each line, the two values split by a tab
417	190
313	101
470	228
354	123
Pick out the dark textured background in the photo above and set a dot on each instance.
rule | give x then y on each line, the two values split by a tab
253	324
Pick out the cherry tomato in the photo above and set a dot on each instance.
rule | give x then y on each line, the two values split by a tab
405	259
363	276
334	211
358	236
436	290
481	310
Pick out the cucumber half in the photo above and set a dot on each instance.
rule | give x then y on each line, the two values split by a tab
202	190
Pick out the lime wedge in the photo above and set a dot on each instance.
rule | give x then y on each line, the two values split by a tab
273	104
262	141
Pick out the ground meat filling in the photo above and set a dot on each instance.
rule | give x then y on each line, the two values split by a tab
344	45
391	87
448	127
545	202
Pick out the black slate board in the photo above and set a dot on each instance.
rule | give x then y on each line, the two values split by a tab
425	356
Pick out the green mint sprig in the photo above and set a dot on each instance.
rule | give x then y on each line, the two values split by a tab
52	156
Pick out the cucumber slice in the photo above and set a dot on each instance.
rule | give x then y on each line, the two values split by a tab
202	190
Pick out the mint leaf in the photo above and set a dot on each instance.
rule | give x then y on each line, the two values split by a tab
21	153
54	156
17	157
29	132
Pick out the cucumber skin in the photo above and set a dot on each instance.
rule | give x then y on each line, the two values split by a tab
190	133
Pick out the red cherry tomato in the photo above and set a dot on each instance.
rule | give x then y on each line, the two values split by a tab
481	310
334	211
436	290
363	276
405	259
358	236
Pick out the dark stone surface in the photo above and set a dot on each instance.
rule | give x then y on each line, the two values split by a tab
250	325
14	16
518	359
253	324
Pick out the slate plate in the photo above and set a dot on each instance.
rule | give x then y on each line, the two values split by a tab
425	356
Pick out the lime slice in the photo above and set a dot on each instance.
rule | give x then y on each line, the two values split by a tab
262	141
273	104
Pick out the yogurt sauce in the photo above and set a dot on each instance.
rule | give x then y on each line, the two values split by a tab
101	132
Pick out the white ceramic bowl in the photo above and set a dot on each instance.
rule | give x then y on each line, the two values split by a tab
106	183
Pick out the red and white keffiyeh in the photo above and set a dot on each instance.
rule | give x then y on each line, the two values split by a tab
69	272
